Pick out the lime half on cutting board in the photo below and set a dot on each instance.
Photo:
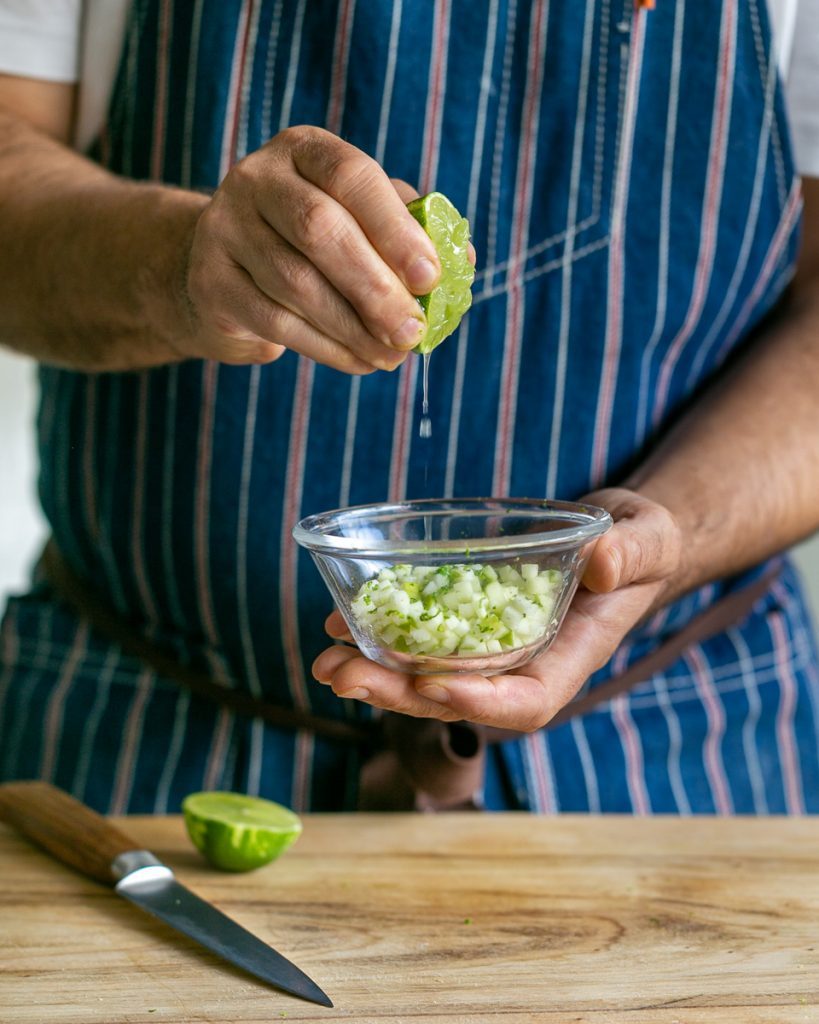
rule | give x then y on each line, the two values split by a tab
446	304
235	832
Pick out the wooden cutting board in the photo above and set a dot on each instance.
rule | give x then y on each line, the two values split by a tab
456	918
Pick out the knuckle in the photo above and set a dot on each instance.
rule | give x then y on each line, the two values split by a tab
275	320
347	676
637	560
241	176
226	326
304	135
655	547
363	370
390	359
349	362
381	291
269	320
382	306
349	174
296	139
317	225
210	219
294	135
371	322
250	353
297	276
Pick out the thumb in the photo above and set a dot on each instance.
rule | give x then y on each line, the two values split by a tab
643	546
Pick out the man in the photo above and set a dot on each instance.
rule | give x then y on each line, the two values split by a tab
635	211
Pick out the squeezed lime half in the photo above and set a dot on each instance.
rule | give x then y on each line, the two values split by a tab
235	832
446	304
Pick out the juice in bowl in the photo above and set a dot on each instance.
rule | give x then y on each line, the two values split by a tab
453	585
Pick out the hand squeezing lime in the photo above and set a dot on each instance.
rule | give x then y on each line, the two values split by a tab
446	304
236	832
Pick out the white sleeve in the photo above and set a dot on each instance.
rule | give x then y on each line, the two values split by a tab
40	38
103	34
802	88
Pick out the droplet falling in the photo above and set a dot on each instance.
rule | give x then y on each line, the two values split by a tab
425	426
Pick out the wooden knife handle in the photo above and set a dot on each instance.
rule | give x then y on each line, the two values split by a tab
68	829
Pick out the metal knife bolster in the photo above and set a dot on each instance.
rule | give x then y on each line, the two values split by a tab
135	867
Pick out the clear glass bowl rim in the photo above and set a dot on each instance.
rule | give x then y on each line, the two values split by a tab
591	523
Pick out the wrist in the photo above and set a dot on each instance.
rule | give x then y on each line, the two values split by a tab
161	278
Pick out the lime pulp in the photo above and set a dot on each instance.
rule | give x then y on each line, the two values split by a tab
235	832
446	304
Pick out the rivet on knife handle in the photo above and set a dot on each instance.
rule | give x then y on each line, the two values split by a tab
66	828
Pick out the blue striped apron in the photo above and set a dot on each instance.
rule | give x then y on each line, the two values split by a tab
591	146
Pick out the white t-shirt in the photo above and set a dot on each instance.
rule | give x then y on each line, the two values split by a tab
80	41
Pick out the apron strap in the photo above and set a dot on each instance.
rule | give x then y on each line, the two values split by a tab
418	763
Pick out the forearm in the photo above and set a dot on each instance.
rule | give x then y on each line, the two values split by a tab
92	266
740	472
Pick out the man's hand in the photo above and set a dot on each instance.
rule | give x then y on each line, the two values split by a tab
307	244
626	577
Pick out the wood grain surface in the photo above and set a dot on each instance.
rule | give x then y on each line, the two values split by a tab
454	918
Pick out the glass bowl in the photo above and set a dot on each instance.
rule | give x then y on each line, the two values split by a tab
453	585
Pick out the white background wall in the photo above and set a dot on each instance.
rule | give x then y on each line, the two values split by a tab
21	526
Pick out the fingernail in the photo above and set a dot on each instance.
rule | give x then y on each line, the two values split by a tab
408	334
359	693
422	275
436	693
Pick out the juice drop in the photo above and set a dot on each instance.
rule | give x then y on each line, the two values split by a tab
425	426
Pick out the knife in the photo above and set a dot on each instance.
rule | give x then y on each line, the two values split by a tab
80	837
